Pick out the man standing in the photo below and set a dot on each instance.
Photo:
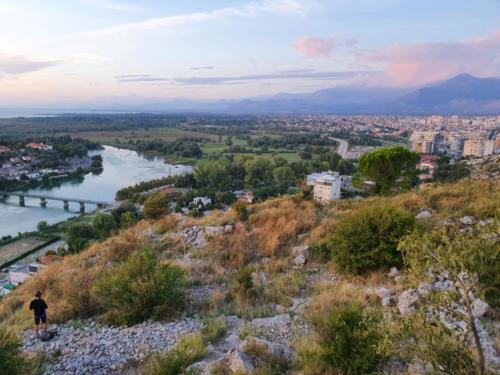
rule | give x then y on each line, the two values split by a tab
39	306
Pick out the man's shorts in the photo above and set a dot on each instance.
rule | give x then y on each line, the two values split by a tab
42	318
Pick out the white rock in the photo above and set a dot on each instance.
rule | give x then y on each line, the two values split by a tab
275	349
300	250
239	362
213	231
275	322
479	308
467	220
424	289
425	214
408	301
393	272
299	261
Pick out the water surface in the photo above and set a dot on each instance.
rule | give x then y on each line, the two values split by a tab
121	168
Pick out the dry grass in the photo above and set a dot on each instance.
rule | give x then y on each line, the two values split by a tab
166	224
285	286
67	284
276	223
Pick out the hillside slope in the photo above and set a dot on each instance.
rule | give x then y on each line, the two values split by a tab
255	290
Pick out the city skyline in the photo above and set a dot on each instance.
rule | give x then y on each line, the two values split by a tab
82	50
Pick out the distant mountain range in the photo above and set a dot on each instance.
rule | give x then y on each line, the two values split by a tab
463	94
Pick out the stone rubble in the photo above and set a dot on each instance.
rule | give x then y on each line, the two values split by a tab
94	350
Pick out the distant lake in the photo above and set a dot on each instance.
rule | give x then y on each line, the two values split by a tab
122	168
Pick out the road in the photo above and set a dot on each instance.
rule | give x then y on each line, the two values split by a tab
343	146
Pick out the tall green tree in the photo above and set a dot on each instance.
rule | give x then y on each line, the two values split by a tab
156	205
389	167
103	225
79	235
284	178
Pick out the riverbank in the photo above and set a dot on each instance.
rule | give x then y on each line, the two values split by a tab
17	250
121	168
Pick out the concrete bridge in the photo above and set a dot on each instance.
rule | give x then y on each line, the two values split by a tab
44	198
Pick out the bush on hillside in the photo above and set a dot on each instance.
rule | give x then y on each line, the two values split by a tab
140	288
367	239
79	235
156	205
348	338
104	225
11	360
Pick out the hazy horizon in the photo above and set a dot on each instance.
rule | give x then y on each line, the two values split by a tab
73	52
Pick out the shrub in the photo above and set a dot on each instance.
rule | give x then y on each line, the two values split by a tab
139	289
103	225
241	209
366	239
9	352
11	360
348	337
79	235
214	329
188	350
156	205
243	289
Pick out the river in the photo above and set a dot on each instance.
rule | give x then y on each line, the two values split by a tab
121	168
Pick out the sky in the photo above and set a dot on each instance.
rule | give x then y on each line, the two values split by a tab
82	51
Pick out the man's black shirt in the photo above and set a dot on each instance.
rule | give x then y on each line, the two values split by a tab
39	306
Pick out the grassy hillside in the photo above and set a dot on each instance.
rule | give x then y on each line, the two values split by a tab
249	266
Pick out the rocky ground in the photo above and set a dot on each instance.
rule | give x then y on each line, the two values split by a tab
486	168
85	347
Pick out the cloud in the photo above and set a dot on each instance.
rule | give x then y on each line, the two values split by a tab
202	68
251	9
111	5
10	64
427	62
140	78
316	47
295	75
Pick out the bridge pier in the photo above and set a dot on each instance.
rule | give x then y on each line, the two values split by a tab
66	205
43	202
82	207
21	201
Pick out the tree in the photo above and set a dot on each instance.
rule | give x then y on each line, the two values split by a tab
259	172
156	205
389	167
468	258
103	225
284	178
345	167
42	227
79	235
367	239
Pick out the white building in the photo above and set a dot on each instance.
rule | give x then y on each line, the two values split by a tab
201	201
327	186
18	274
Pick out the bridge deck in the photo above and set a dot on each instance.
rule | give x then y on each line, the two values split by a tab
62	199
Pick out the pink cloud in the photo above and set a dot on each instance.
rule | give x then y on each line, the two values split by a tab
426	62
315	47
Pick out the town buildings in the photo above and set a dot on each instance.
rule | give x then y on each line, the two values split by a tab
326	186
18	274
